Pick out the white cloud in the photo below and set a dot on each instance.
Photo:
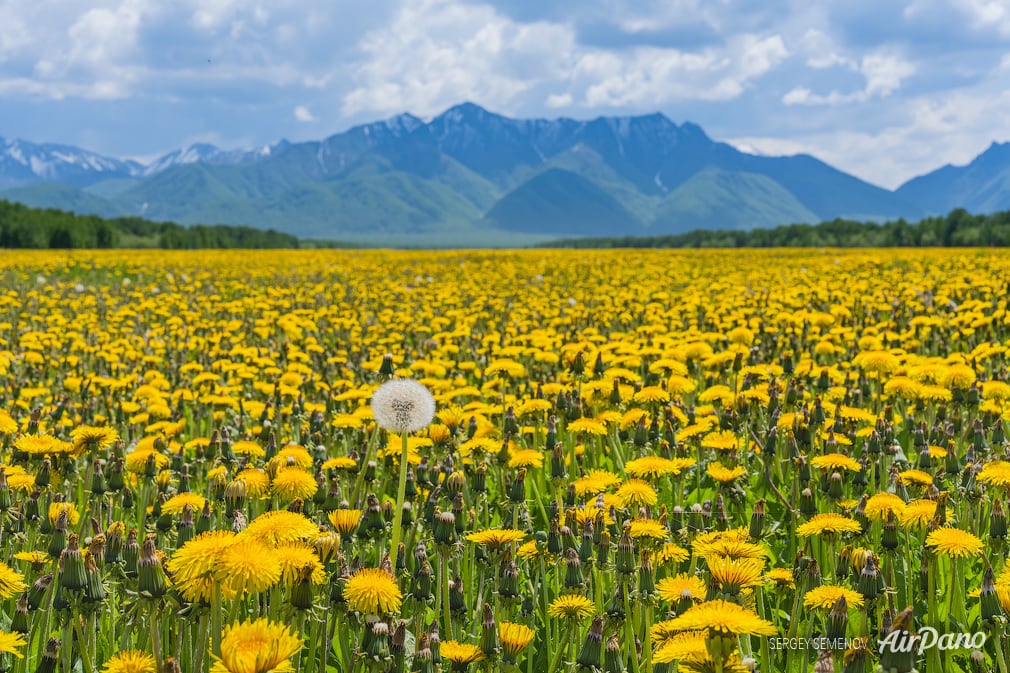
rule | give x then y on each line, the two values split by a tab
303	114
883	74
557	100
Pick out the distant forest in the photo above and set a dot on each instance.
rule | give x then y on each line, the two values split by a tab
24	227
957	229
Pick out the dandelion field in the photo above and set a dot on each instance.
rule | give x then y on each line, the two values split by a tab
628	461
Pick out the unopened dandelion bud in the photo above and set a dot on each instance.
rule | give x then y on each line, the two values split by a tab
517	491
842	567
558	471
131	553
386	368
838	620
444	532
423	582
94	590
302	593
435	642
129	500
554	538
757	520
613	656
867	584
490	643
478	485
646	575
859	514
592	647
573	570
50	657
977	661
603	549
151	578
114	543
37	592
889	537
457	599
615	609
997	520
72	575
989	599
696	518
899	659
44	475
586	548
21	621
808	506
376	646
508	579
457	511
624	561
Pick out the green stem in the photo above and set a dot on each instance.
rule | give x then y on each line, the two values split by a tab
629	630
401	492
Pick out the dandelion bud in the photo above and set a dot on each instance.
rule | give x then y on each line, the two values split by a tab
37	592
586	548
859	514
867	584
151	576
625	559
376	647
445	529
977	661
423	582
889	537
696	518
991	607
301	590
997	520
50	657
128	500
72	576
558	471
615	609
592	648
422	656
235	496
573	570
457	599
808	506
479	484
114	543
386	368
435	643
490	644
838	620
554	538
603	549
131	553
757	520
900	659
613	658
646	575
44	475
20	620
508	578
517	491
94	590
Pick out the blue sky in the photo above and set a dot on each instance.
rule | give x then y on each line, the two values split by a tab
883	89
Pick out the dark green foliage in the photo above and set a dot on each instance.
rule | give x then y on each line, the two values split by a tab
24	227
959	228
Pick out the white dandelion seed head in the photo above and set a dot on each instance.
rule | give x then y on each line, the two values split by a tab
403	405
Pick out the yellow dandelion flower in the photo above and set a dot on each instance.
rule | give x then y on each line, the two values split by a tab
496	538
373	591
10	642
344	520
996	473
339	463
571	606
781	577
917	514
257	482
836	461
880	504
589	426
247	447
460	654
723	617
594	482
91	438
294	482
193	566
724	474
673	588
247	565
515	637
649	528
35	444
73	516
651	467
132	661
296	558
11	581
671	552
279	526
917	477
721	440
178	502
736	574
526	458
954	542
825	596
635	493
260	646
828	524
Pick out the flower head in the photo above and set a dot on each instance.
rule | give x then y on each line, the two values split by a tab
461	654
571	606
279	526
828	524
261	646
949	541
132	661
10	642
496	537
515	637
723	617
826	595
11	581
373	591
403	405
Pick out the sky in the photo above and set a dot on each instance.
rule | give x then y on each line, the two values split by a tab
882	89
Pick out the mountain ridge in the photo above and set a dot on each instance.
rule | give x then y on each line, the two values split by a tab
470	170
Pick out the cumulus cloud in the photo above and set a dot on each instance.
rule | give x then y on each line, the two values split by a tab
303	114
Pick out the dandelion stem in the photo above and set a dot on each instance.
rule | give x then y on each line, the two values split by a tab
401	494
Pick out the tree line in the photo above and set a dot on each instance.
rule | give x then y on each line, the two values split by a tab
25	227
959	228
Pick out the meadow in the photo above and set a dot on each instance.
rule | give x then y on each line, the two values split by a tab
623	461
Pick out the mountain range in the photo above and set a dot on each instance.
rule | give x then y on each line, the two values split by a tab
469	175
